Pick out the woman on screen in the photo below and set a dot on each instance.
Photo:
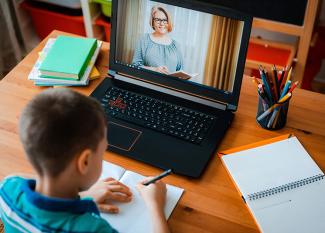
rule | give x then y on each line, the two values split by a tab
156	51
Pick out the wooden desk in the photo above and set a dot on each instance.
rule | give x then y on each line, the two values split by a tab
209	204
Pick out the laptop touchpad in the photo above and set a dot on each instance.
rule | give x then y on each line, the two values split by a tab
122	137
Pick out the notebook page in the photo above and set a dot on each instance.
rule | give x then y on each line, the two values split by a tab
271	165
134	216
111	170
298	210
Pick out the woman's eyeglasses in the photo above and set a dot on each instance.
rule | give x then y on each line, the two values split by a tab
160	21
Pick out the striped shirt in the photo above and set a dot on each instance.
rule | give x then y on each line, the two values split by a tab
150	53
24	210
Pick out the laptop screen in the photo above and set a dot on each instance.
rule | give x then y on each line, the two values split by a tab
191	47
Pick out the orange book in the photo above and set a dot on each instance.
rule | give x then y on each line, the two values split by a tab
280	183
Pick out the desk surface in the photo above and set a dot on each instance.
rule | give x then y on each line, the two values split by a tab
209	204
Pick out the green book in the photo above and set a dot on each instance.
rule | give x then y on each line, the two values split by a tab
59	76
68	58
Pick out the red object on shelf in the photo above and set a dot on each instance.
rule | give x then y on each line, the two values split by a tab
46	21
268	54
101	21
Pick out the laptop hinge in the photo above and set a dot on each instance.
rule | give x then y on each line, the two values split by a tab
136	81
231	107
111	73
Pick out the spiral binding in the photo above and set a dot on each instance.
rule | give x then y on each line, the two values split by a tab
285	187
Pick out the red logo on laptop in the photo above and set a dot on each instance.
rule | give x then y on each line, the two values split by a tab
118	103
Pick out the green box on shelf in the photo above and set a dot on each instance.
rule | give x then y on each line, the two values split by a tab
106	6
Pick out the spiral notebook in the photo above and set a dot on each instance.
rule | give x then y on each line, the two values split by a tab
281	184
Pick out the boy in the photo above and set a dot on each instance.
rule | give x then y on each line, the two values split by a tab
64	136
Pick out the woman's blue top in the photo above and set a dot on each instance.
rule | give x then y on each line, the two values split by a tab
150	53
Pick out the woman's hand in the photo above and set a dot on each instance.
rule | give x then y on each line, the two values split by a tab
162	69
107	190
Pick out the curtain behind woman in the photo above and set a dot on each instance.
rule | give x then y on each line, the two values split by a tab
129	30
223	51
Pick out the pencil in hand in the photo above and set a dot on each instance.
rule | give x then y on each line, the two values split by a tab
160	176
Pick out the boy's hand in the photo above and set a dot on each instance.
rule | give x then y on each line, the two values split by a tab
106	190
154	195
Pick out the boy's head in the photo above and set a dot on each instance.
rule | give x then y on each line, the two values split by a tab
59	125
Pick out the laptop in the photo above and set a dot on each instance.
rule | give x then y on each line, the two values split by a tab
175	72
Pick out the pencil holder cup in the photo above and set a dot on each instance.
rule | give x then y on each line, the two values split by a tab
272	119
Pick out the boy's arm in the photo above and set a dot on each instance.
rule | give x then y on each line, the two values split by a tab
159	222
154	195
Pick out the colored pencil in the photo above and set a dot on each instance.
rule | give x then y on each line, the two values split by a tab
293	86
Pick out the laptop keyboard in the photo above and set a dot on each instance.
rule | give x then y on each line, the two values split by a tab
171	119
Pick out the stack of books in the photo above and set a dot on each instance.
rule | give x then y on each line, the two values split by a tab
66	61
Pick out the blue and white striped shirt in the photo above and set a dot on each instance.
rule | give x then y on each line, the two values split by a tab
24	210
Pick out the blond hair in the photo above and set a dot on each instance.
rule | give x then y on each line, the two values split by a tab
152	16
